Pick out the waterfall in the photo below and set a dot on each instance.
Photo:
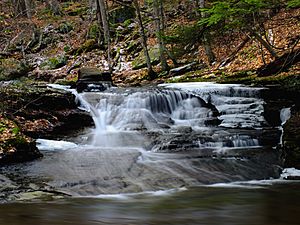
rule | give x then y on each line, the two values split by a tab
285	114
161	138
123	117
240	106
117	115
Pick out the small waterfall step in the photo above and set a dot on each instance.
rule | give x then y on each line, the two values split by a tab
240	106
163	115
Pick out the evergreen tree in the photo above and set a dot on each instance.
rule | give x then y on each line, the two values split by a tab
244	15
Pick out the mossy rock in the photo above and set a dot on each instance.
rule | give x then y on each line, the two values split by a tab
291	141
37	195
140	60
54	63
93	32
66	81
87	46
65	27
75	8
14	145
12	69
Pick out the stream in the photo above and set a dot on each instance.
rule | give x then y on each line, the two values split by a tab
186	153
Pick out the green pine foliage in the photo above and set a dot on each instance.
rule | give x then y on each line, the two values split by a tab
293	4
236	14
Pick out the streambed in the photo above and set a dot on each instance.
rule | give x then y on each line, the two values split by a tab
182	144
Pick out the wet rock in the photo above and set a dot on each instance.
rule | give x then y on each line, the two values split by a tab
23	150
292	178
14	145
43	112
276	98
291	141
6	184
93	79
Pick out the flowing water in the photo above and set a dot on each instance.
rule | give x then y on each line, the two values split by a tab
193	153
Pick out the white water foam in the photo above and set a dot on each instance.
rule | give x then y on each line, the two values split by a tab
285	115
290	172
52	145
128	196
255	184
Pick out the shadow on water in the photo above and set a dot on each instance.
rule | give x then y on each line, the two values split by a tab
276	205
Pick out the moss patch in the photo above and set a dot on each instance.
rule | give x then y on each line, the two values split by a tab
54	62
12	140
140	61
12	68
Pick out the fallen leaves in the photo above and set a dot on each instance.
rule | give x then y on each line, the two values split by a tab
10	135
37	125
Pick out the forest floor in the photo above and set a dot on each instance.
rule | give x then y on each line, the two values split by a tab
56	46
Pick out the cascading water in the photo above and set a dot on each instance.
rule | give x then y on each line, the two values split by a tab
119	115
200	146
166	137
285	114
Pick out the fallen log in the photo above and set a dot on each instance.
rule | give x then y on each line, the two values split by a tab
182	69
280	64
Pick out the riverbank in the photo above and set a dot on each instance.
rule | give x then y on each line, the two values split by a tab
31	110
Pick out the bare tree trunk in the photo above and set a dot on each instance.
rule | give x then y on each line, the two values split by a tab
22	7
105	25
98	13
151	73
264	43
53	5
28	8
158	9
206	39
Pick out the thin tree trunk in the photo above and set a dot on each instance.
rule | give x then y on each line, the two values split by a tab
28	8
151	73
99	21
20	7
157	8
206	38
265	44
105	24
53	5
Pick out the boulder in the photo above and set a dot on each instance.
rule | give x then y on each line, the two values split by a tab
140	61
41	111
93	79
14	145
291	141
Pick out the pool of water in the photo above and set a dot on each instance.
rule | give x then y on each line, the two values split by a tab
277	204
